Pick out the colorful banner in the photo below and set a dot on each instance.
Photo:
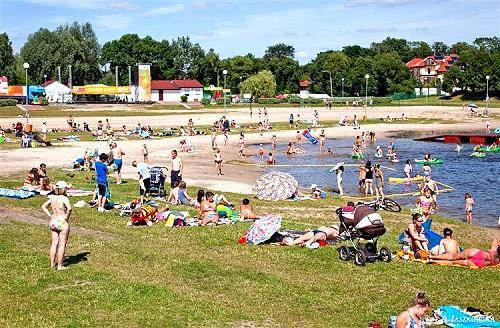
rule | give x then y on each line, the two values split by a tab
144	82
100	90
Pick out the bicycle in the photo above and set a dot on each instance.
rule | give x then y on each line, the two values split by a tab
386	204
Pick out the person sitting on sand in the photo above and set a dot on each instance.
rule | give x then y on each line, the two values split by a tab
415	234
246	210
447	245
412	317
471	257
59	223
311	238
32	178
208	210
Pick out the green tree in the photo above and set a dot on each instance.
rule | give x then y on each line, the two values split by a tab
7	59
260	85
336	63
357	51
284	70
188	58
420	49
280	50
460	47
440	48
400	46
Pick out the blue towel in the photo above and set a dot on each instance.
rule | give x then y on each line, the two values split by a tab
14	193
455	317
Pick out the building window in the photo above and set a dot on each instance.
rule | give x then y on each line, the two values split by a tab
428	71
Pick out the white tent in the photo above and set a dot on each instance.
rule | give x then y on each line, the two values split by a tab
57	92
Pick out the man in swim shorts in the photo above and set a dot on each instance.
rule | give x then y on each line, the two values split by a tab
117	161
101	170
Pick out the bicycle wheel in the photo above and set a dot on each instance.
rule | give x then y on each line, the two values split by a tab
391	205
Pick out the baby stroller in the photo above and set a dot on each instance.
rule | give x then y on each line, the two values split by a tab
361	222
157	181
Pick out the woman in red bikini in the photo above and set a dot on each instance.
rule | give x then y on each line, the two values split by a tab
472	257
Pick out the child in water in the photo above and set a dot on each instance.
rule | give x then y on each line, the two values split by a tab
261	153
270	159
469	203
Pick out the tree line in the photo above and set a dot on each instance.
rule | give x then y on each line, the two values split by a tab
77	45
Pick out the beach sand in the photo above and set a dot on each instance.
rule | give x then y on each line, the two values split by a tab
199	166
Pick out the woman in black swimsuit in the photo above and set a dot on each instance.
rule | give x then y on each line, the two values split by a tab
369	178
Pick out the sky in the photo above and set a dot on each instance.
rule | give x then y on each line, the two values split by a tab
233	27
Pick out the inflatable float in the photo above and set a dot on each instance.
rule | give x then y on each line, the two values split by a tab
404	180
357	155
431	161
309	137
477	155
495	149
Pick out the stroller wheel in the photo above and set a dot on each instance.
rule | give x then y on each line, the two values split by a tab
385	254
360	258
344	253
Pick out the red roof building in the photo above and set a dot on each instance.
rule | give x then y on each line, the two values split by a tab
173	90
431	67
174	84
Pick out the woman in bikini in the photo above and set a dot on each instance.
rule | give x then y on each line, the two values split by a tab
322	139
310	237
471	257
59	223
208	210
412	317
426	203
218	162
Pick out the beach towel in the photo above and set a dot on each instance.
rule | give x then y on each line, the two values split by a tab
14	193
456	317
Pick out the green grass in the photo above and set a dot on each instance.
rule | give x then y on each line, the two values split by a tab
200	276
456	101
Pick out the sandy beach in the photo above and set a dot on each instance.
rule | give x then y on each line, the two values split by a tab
199	166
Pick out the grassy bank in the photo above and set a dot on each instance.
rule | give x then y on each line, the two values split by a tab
200	276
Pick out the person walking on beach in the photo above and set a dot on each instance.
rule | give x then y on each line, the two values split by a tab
213	138
101	170
117	161
290	120
218	162
58	224
145	153
488	127
469	204
176	169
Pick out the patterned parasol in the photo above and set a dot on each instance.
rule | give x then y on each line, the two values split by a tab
262	229
275	185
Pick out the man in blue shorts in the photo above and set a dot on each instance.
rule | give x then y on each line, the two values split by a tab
101	170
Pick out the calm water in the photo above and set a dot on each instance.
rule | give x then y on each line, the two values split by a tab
478	176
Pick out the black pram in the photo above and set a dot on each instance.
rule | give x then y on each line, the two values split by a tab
157	181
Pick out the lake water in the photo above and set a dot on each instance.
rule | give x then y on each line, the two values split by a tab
478	176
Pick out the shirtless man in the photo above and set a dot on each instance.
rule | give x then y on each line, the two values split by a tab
59	223
447	245
117	160
310	238
177	167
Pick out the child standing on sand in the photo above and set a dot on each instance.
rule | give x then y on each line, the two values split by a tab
469	203
145	153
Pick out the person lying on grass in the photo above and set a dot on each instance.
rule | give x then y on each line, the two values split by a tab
471	257
310	239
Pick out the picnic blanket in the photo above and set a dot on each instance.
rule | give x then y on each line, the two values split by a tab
15	193
456	317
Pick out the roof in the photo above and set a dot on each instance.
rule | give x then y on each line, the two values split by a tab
415	62
174	84
304	83
49	82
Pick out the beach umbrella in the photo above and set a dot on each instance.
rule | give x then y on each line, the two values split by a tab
336	167
275	185
262	229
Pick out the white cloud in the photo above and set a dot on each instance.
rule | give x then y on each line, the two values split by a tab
164	10
376	29
301	54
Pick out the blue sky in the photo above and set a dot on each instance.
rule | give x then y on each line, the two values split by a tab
234	27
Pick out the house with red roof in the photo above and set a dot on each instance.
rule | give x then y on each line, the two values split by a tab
172	90
431	67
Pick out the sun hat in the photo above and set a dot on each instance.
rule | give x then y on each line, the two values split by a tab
61	184
314	186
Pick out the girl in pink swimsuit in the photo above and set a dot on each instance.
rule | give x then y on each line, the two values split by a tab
472	257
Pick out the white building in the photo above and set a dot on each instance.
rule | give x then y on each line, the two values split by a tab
172	90
57	92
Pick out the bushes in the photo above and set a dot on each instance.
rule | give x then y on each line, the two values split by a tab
268	101
184	98
7	102
220	101
293	99
313	101
382	100
205	101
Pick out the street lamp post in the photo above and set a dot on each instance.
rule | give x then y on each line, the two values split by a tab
26	66
367	76
331	84
224	72
487	94
45	80
342	89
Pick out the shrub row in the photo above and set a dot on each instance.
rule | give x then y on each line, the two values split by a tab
7	102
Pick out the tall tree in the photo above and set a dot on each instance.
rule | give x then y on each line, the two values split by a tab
400	46
260	85
6	55
280	50
440	48
420	49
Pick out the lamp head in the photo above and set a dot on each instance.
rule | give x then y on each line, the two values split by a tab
487	77
224	72
367	76
26	65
